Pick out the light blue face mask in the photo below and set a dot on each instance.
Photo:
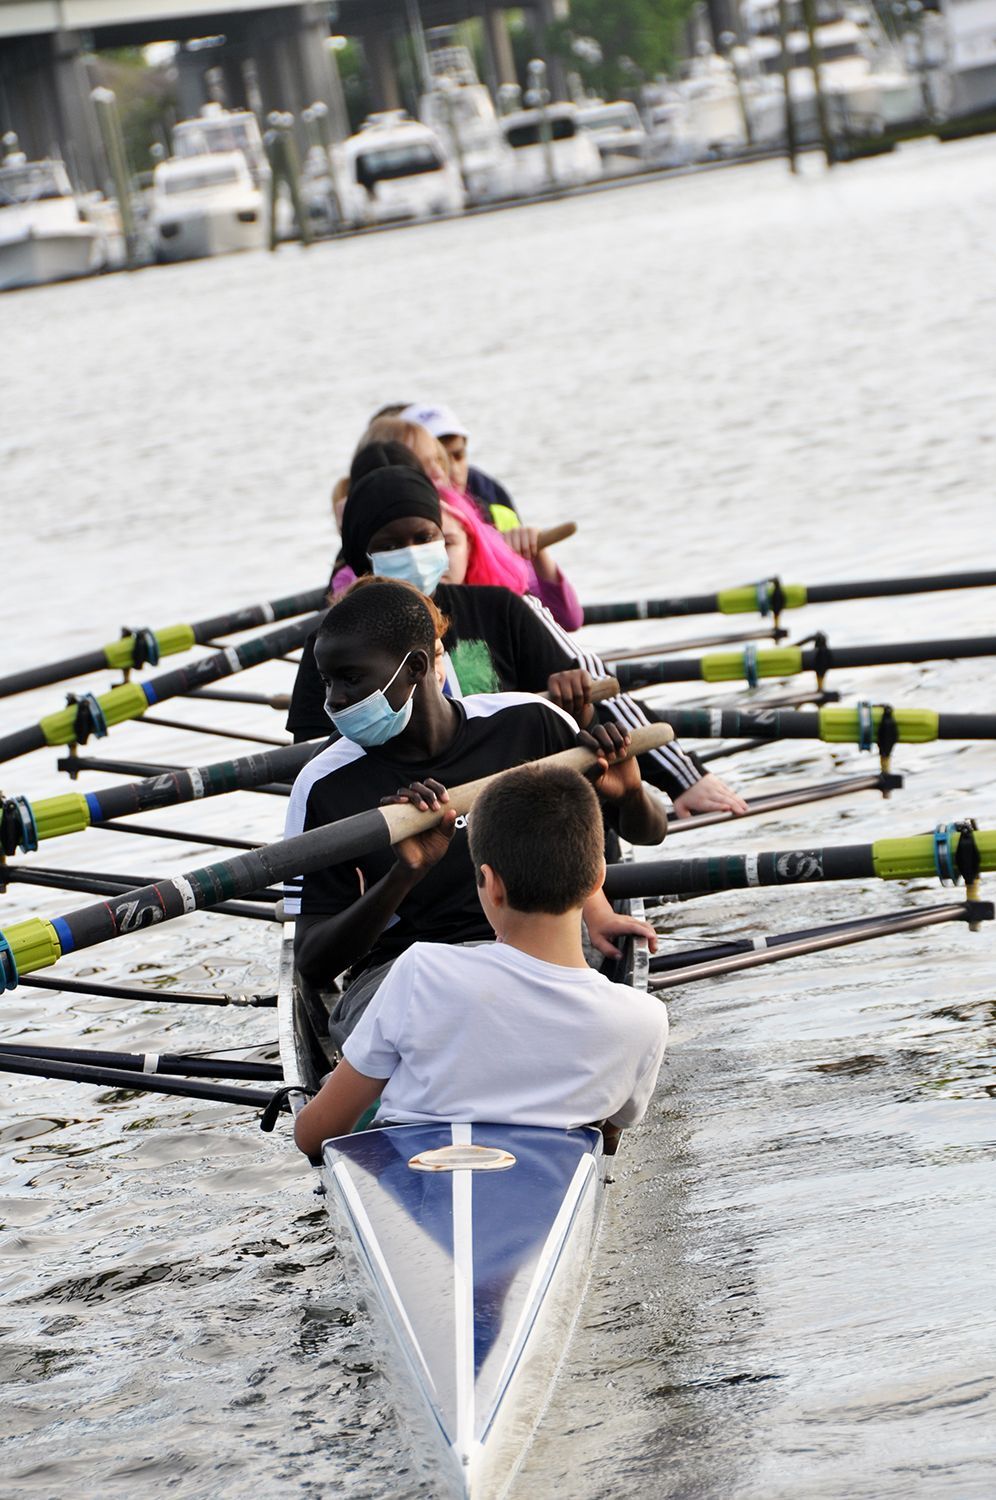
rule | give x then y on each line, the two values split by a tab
422	565
373	721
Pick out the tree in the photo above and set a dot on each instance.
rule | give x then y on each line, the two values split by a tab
633	40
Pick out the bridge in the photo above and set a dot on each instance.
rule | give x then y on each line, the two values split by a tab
271	54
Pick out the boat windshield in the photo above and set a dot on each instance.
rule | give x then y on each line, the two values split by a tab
202	177
562	128
612	117
30	183
387	162
198	137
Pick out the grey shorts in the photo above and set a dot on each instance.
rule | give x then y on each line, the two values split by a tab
354	1000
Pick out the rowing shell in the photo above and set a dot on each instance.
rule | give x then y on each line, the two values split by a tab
475	1243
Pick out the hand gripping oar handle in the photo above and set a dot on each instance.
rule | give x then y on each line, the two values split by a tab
601	689
554	534
404	820
37	943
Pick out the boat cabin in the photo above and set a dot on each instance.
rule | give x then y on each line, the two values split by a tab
570	155
396	168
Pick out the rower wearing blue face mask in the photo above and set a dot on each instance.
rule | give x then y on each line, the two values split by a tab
404	740
496	641
372	721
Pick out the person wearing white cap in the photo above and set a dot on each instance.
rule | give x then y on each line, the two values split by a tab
491	498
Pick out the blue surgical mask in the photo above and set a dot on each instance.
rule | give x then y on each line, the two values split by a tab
422	565
373	721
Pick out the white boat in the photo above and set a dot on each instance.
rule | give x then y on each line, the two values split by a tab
865	83
618	132
463	117
43	235
568	158
474	1243
217	130
394	169
206	205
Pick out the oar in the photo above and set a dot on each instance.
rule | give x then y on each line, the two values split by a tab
731	958
148	996
771	597
692	643
154	1062
554	534
140	648
676	963
118	1078
95	715
916	858
750	664
861	725
37	943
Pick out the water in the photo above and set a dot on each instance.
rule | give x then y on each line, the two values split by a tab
717	378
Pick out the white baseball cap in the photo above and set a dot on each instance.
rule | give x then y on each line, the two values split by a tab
441	421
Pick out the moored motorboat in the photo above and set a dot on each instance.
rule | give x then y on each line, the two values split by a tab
43	235
206	205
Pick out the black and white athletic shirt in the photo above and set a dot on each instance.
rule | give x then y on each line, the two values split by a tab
497	731
499	642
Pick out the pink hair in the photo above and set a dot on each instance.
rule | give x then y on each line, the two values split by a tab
491	560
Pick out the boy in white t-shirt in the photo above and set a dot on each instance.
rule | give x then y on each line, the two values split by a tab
521	1031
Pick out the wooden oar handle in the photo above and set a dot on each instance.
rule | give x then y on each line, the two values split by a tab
402	819
554	534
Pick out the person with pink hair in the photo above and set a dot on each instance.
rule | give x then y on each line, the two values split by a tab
478	554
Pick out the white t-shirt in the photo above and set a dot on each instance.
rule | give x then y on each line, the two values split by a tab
489	1033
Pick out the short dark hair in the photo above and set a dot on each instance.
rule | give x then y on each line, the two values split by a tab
540	829
386	614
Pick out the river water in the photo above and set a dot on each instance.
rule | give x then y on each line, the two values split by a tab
718	378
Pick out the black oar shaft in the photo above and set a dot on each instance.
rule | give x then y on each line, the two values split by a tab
121	654
887	588
131	699
146	995
785	661
154	1063
770	597
685	958
837	724
123	1079
681	877
844	936
24	824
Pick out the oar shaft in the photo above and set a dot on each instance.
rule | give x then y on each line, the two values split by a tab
834	724
120	1078
763	597
887	859
154	1062
787	661
120	655
131	699
886	588
37	943
24	824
